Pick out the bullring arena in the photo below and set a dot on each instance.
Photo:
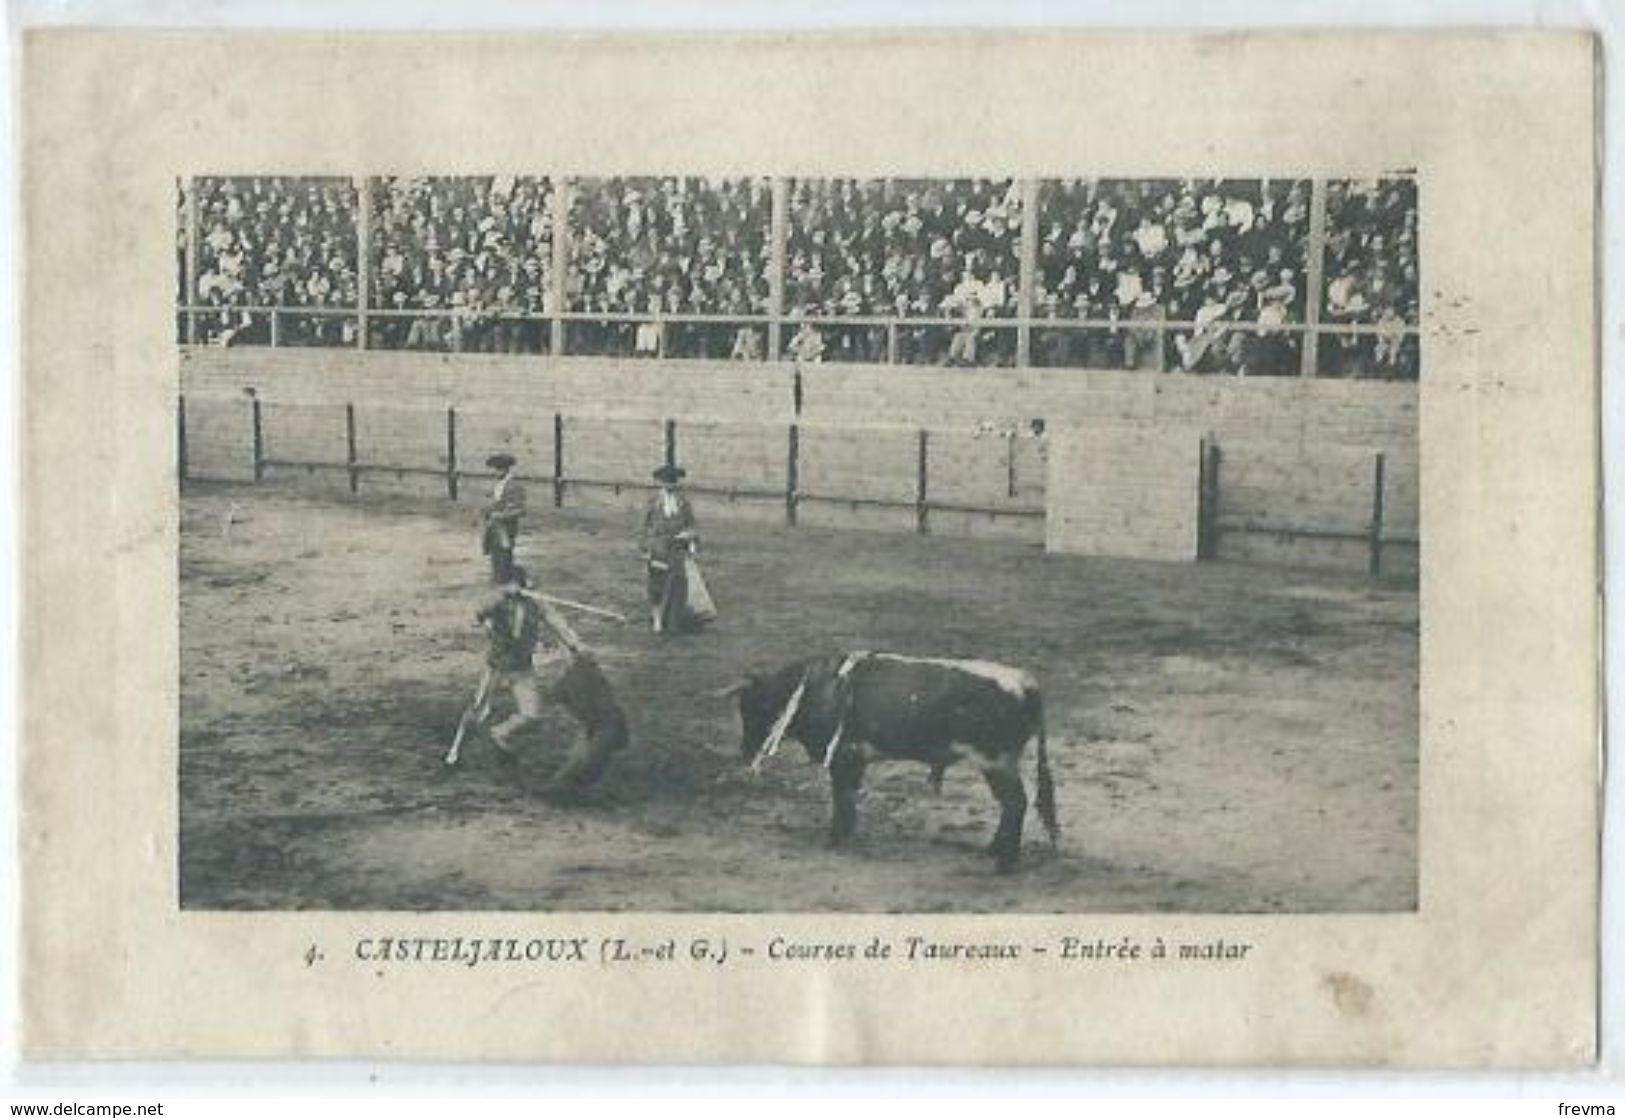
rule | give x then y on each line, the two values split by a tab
1211	571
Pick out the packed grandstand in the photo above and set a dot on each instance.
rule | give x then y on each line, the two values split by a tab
1202	275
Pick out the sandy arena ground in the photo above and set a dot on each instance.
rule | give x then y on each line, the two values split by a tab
1226	738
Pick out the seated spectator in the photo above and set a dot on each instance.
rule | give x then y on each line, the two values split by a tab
747	344
1143	348
965	301
807	347
647	340
428	331
1212	347
1390	343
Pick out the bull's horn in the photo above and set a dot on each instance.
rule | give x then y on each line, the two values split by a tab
729	691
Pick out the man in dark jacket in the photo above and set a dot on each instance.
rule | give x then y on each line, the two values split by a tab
515	623
500	516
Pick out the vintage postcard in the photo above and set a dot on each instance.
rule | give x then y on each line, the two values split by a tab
953	548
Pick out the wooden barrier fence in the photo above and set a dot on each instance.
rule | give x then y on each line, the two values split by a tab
1250	497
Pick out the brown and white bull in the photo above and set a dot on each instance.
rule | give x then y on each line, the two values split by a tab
848	710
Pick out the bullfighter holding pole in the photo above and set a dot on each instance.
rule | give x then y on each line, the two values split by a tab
515	622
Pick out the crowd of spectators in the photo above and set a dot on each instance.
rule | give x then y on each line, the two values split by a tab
657	247
903	248
273	242
474	251
1202	275
1193	251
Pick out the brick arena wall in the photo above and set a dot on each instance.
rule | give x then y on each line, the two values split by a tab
1129	490
1296	469
497	383
1381	415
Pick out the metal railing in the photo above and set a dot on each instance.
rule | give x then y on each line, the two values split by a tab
1152	343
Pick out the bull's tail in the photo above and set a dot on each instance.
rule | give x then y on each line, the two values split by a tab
1046	787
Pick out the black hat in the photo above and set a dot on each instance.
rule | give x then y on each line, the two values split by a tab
517	576
670	474
500	462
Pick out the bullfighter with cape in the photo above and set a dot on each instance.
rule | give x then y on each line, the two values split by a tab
679	600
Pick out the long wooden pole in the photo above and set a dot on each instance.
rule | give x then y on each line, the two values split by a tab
582	607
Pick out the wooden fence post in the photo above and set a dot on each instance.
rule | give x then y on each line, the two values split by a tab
558	460
1376	515
1207	507
922	513
451	452
671	442
792	475
259	441
349	448
180	435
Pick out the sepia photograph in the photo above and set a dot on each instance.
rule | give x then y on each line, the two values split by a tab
874	548
772	543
